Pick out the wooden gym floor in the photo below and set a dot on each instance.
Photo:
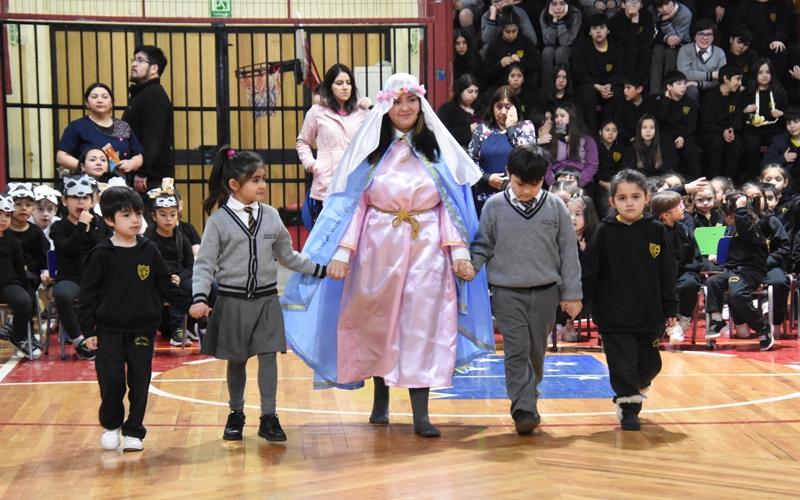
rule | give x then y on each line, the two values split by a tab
723	424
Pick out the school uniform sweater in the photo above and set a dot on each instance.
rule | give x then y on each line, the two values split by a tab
628	34
179	261
675	118
630	276
245	264
746	60
678	25
627	117
696	70
714	218
778	243
122	290
528	250
530	60
768	21
610	161
12	268
72	244
592	67
687	253
720	112
34	247
748	248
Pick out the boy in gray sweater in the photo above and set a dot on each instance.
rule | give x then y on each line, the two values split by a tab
527	242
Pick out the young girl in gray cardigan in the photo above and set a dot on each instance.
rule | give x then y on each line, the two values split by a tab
241	243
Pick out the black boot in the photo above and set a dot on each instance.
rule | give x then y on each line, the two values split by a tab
380	402
270	428
628	409
233	429
419	408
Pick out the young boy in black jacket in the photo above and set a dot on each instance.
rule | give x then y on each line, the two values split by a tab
630	277
677	116
119	308
721	119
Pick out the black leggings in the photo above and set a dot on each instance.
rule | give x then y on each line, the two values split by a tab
20	302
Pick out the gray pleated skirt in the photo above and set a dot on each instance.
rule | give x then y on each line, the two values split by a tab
239	329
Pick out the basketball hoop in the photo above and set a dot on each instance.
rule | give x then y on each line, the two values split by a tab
262	83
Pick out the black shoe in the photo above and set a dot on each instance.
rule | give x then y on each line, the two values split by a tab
84	352
233	429
526	422
5	331
630	416
270	428
714	329
25	349
765	340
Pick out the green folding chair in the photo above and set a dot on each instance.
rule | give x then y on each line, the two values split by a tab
708	238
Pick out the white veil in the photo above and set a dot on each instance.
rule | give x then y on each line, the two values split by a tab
366	139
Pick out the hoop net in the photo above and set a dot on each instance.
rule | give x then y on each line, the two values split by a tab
262	84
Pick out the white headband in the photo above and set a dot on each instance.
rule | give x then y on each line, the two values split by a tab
367	138
46	193
20	190
113	182
82	185
6	204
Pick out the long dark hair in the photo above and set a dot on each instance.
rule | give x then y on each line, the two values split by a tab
508	18
423	139
326	89
642	150
468	63
590	218
774	83
466	81
577	129
501	93
229	164
551	90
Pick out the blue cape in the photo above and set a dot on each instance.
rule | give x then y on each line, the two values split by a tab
311	305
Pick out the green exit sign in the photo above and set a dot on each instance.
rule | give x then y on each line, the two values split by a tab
220	8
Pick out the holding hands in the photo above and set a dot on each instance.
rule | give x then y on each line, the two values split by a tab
571	307
464	270
337	270
199	310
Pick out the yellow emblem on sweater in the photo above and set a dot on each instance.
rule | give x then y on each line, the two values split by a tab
520	53
641	29
731	108
686	110
733	279
746	69
609	67
655	250
617	156
144	272
773	17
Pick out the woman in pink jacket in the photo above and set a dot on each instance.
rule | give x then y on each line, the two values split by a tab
332	123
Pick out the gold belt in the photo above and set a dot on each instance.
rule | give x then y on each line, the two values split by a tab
402	216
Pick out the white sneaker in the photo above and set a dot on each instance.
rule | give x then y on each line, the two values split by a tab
568	333
725	312
132	444
685	323
110	439
675	335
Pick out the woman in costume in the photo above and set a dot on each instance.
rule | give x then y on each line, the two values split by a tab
397	221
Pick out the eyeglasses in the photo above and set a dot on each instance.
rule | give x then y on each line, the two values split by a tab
139	60
704	35
680	206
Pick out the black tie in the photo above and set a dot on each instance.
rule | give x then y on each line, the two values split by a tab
702	54
527	206
251	221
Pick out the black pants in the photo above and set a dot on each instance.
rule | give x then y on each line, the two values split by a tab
64	293
740	283
723	156
589	98
19	300
633	361
688	157
115	351
688	287
753	141
780	293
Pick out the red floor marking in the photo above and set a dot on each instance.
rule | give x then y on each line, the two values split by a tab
50	368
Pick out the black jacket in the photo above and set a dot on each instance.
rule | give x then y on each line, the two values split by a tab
150	115
627	117
746	61
748	248
175	250
610	160
72	244
34	247
778	243
714	219
675	118
720	112
687	253
456	121
123	287
12	268
627	34
530	60
591	67
630	276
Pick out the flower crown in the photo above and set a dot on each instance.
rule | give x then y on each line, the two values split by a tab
391	95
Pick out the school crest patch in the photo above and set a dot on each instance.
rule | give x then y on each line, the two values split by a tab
520	53
617	156
686	110
609	67
773	17
655	250
746	69
731	108
641	29
141	340
144	272
733	279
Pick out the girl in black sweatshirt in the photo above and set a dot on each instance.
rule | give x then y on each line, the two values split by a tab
745	270
510	47
630	277
667	206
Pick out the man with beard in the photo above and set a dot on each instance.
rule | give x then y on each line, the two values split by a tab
149	113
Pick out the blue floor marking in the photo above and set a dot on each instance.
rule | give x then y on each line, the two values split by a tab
565	377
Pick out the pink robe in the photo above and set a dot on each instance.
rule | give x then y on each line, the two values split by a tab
399	313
